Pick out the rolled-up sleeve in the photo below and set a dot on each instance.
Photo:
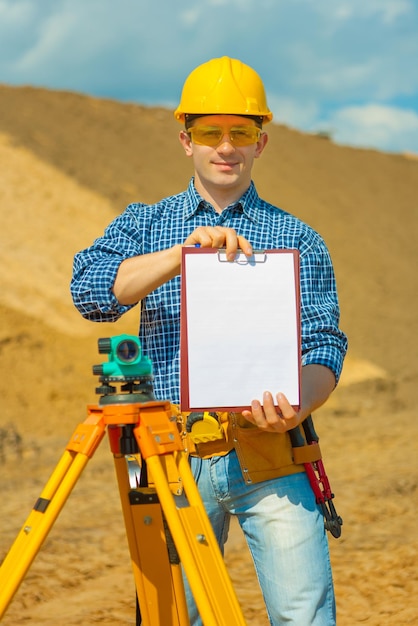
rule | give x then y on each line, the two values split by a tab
96	267
322	340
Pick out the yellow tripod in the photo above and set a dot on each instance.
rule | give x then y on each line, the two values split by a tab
166	530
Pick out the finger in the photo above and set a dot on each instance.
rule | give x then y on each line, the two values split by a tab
207	237
290	418
220	237
273	414
198	236
257	414
265	416
245	245
286	409
270	410
217	237
224	238
231	244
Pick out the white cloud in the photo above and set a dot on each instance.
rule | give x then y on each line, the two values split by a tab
190	17
392	9
55	33
373	125
314	56
386	10
292	112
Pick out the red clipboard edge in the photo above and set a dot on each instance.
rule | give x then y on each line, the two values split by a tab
184	361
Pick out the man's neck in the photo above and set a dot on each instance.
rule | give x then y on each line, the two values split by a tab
219	197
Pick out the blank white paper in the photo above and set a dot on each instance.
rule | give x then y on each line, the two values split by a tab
242	324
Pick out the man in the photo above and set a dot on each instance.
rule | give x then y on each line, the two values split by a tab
251	473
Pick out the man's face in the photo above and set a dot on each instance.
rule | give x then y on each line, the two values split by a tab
227	164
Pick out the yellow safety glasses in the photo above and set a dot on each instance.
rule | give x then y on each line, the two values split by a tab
212	135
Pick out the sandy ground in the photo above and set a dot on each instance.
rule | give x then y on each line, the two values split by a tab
82	574
69	164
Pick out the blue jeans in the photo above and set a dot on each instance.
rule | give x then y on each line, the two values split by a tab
285	533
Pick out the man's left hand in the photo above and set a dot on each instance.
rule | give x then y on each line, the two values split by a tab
272	418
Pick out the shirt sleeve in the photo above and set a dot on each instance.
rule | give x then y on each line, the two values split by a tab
95	268
323	342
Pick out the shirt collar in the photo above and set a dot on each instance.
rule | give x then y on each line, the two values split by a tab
249	202
194	200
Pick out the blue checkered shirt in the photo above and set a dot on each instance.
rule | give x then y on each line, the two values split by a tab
142	229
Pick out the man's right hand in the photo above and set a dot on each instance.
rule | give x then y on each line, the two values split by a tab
220	237
138	276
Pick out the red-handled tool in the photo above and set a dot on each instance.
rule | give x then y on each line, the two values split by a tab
318	478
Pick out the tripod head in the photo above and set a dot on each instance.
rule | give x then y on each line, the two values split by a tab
127	375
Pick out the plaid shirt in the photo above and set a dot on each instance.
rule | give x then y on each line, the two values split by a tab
142	229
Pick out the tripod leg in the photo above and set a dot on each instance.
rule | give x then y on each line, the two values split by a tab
197	546
37	526
157	573
138	618
46	510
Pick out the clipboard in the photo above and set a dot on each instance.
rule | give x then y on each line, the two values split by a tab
240	328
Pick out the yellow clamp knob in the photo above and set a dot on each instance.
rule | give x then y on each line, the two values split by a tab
204	427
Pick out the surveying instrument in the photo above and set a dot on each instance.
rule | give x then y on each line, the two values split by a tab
166	524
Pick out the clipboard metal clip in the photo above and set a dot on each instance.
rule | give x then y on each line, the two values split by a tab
258	256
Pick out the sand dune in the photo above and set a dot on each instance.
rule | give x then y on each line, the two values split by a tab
69	163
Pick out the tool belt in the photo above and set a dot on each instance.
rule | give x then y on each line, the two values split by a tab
262	455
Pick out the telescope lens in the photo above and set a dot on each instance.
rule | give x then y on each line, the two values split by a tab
127	351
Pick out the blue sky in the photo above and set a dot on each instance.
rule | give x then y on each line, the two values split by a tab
347	67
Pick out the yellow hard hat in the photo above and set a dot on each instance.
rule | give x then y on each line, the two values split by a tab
223	86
